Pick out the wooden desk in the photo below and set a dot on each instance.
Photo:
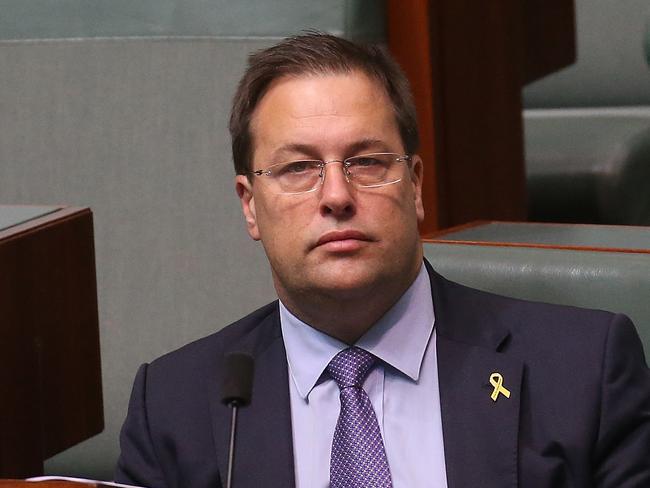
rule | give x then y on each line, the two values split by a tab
50	379
45	484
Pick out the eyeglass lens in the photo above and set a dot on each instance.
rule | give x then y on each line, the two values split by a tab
364	170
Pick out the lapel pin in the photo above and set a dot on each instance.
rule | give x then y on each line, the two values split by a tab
496	380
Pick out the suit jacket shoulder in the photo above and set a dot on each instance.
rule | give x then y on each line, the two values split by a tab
176	432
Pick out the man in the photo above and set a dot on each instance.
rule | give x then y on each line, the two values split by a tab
443	385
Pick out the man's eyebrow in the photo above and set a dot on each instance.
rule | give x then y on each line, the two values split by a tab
312	152
368	144
305	149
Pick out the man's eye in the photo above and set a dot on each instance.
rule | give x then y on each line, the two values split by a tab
365	162
298	167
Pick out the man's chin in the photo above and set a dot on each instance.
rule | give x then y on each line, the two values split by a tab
345	280
361	276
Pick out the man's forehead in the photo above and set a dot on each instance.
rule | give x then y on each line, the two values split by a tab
298	111
319	86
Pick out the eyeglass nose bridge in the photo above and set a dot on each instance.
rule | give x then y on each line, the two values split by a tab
344	167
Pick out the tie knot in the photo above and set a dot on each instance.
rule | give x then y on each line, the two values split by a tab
350	367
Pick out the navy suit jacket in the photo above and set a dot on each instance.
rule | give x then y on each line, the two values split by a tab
578	414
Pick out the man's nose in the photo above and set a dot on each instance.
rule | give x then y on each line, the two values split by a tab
337	195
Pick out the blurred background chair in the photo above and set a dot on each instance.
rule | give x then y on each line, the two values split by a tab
587	127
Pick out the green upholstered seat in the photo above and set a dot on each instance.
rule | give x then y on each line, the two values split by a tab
604	267
593	164
589	165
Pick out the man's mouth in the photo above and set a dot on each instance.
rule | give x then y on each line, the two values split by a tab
342	240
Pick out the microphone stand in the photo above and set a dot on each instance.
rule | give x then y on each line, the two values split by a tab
231	448
236	392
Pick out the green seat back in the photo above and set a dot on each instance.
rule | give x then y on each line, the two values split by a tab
603	267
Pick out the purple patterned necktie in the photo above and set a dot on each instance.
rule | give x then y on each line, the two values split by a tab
358	455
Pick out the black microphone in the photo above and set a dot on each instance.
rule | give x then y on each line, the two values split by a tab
236	392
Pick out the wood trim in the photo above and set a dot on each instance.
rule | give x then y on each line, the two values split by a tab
47	484
436	238
33	225
457	228
538	246
478	223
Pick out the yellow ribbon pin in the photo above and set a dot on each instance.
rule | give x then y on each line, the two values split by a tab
496	380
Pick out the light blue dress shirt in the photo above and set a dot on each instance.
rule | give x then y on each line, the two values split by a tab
403	389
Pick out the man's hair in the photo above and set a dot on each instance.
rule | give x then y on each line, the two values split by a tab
317	53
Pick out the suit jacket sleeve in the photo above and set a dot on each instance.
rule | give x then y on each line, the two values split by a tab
622	454
138	464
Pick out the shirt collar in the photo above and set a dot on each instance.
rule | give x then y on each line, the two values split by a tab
399	338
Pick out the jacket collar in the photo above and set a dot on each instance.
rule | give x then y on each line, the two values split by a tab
467	315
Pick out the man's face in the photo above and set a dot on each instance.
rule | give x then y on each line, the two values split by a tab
340	240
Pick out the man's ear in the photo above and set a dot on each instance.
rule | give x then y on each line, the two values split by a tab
244	190
417	173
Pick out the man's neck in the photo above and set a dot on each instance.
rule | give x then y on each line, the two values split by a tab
345	318
346	322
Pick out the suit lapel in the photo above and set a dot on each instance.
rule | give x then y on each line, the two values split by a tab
480	434
264	446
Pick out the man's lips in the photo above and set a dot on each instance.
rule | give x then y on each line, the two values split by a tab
342	240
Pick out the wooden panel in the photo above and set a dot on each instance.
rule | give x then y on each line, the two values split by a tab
408	39
49	340
467	62
477	55
549	37
471	115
